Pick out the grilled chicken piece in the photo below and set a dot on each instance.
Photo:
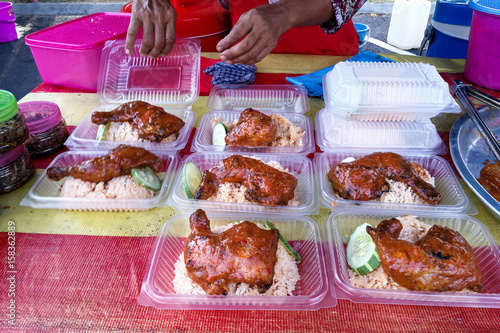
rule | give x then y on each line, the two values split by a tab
441	260
489	177
244	253
253	129
117	163
152	122
387	165
265	185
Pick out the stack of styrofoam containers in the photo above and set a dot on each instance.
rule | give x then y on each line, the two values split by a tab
386	107
170	82
226	102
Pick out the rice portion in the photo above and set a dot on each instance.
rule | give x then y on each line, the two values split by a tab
231	192
413	230
124	131
286	275
287	135
123	187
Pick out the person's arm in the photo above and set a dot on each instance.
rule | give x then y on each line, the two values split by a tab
157	19
343	11
262	26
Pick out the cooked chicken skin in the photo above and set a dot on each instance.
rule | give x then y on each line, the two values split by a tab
117	163
489	177
441	260
265	185
362	178
253	129
152	122
244	253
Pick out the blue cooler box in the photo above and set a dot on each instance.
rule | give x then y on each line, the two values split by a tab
449	30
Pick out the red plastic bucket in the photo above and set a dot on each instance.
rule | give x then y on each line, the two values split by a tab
7	23
483	54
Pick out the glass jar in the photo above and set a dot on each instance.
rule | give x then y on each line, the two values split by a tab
16	169
46	127
13	130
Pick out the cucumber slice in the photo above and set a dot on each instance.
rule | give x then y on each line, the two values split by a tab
146	177
218	134
191	178
102	132
284	242
362	254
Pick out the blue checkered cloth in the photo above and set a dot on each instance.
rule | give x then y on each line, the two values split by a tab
231	74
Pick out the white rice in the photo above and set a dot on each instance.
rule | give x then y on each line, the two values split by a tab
124	131
287	135
286	275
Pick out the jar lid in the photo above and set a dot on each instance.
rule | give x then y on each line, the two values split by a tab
11	156
40	116
8	105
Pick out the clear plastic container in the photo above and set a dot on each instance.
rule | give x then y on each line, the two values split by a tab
16	169
376	91
170	82
45	192
340	226
455	200
334	132
203	136
302	233
46	126
265	98
299	166
13	130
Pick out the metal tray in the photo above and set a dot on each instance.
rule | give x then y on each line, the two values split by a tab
469	152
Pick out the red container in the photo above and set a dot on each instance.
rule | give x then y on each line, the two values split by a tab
69	54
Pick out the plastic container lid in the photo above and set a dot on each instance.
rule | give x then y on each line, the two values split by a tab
173	80
40	116
375	91
486	6
265	98
11	156
83	33
8	105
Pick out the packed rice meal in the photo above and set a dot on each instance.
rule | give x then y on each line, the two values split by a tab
126	172
438	268
137	121
267	184
256	129
384	177
227	275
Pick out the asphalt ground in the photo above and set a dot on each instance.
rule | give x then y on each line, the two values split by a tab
18	71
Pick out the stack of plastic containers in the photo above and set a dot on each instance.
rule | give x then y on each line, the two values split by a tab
386	107
226	104
170	82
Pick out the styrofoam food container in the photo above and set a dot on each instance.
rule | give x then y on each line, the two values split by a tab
45	192
203	136
340	226
68	54
334	132
300	166
170	82
267	98
302	233
455	200
387	91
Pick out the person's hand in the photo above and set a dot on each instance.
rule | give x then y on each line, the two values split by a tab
157	19
262	26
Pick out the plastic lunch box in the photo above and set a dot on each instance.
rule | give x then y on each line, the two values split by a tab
455	200
227	101
45	192
341	224
302	233
171	82
299	166
68	54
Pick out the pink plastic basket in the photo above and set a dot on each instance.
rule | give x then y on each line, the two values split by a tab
69	54
483	53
